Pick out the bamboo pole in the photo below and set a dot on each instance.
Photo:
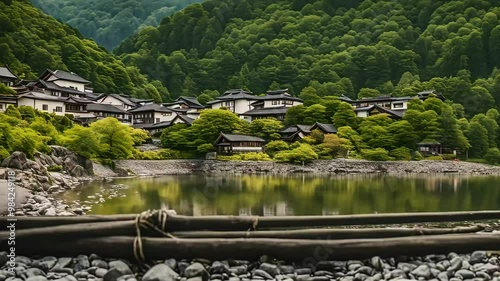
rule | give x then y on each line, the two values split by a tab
127	228
291	250
228	223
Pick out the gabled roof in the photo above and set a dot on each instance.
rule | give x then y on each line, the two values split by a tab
395	114
121	98
187	120
295	128
267	111
191	102
238	138
235	95
41	96
136	100
64	75
75	100
151	107
345	98
280	97
425	94
54	87
102	107
164	124
381	99
327	128
277	92
5	72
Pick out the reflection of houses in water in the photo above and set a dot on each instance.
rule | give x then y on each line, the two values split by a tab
278	209
330	212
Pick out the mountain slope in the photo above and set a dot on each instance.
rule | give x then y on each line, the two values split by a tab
349	45
31	41
109	22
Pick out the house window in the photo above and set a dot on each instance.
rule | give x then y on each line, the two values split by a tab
398	105
288	102
167	114
1	106
276	102
45	107
157	120
58	109
424	148
228	103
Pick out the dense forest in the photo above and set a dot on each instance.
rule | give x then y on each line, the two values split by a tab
373	47
110	22
31	41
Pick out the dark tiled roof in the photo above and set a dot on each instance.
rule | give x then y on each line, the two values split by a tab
64	75
345	98
41	96
189	101
151	107
123	99
327	128
236	91
8	99
267	111
7	73
277	92
295	128
160	125
78	100
236	138
136	100
53	86
381	99
394	113
187	120
235	95
102	107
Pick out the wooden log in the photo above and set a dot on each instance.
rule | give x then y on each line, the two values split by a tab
127	228
228	223
328	233
291	250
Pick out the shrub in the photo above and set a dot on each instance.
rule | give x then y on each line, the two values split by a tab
55	168
492	156
3	153
235	157
204	148
376	154
301	154
417	156
255	156
449	156
435	158
163	154
276	146
402	153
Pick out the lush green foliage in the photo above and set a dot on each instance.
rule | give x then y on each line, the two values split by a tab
28	130
204	130
109	22
31	42
319	48
250	156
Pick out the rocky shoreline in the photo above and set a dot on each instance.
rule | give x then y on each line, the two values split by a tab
45	176
451	267
337	166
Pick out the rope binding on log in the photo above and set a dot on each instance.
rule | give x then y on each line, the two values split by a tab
151	220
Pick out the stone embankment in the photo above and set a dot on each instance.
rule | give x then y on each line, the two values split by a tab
338	166
451	267
43	176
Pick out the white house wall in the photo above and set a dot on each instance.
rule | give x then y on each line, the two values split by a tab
67	84
362	114
38	104
114	101
164	116
269	103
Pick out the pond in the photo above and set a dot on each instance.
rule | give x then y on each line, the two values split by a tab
295	194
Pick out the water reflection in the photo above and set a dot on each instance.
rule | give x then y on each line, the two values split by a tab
279	195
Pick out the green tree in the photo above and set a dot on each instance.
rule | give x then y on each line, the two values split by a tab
114	137
478	139
345	116
81	140
265	128
301	154
276	146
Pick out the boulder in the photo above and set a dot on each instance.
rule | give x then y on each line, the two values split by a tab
16	161
160	272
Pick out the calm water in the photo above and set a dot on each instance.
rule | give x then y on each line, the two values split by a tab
290	195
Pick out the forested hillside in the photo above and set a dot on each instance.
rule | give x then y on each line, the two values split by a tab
109	22
336	47
31	41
